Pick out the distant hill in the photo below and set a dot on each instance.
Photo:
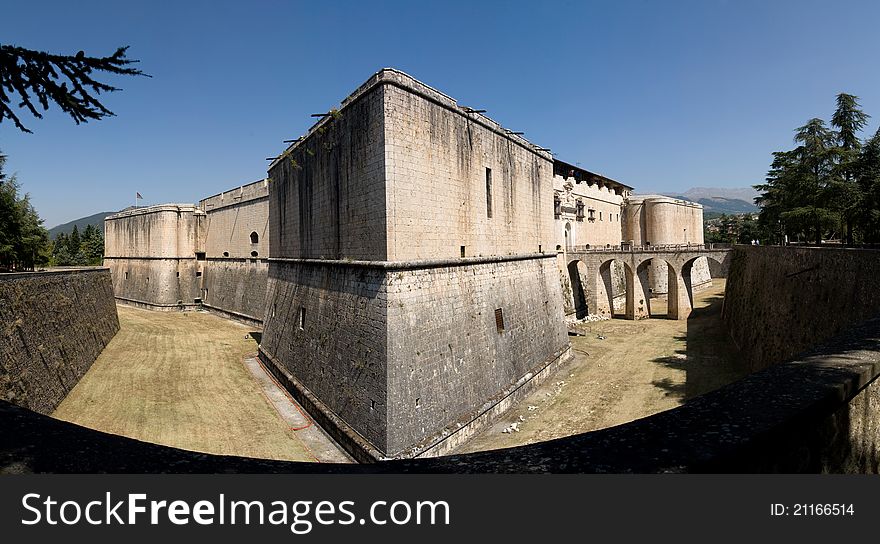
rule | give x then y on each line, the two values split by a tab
721	200
96	220
719	205
733	193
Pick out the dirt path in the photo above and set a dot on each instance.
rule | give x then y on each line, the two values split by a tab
638	369
179	379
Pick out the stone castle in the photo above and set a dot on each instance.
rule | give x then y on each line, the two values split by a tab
406	259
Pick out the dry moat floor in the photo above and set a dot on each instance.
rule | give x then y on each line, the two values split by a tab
638	369
185	379
188	379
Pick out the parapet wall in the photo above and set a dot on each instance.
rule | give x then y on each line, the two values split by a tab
53	325
781	301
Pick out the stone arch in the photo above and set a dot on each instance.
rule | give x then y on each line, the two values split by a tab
687	272
577	272
648	272
614	280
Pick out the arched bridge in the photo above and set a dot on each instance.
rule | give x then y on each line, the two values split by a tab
593	275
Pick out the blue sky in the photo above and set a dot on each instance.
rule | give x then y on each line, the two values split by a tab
662	96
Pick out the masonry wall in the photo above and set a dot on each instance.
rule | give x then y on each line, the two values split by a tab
782	300
236	267
326	325
436	160
151	254
379	198
53	325
328	193
447	360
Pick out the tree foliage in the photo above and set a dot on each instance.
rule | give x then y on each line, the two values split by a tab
827	187
35	79
86	249
24	242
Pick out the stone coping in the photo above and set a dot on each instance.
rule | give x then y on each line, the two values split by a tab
168	207
51	272
769	414
416	263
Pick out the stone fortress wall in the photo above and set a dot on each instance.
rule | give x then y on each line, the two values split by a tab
151	255
236	246
54	326
661	220
416	227
177	256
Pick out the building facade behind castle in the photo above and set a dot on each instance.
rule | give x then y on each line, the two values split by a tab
402	257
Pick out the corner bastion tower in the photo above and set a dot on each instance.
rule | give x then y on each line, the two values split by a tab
413	291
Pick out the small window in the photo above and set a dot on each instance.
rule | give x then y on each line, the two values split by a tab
226	254
200	255
255	237
499	320
302	318
600	216
178	274
254	253
489	193
198	273
126	275
462	251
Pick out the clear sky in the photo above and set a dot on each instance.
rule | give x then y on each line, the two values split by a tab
662	96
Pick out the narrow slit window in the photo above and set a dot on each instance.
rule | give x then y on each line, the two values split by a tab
462	251
499	320
302	318
489	193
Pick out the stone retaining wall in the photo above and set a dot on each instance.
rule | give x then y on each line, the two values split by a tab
53	325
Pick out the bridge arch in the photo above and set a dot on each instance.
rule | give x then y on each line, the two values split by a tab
614	281
657	276
687	270
577	273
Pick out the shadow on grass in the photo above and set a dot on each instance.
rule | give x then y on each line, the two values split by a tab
710	360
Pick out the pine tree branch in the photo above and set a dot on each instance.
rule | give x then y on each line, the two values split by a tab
38	79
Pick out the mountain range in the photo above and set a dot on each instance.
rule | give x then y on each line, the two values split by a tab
96	220
721	200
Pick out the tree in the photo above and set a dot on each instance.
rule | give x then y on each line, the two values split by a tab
74	242
849	120
24	242
37	78
868	180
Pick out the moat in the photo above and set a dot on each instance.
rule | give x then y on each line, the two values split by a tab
186	379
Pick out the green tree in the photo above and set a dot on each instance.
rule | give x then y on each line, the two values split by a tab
36	78
868	179
849	120
24	242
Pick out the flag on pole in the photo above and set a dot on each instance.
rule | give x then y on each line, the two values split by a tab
138	196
